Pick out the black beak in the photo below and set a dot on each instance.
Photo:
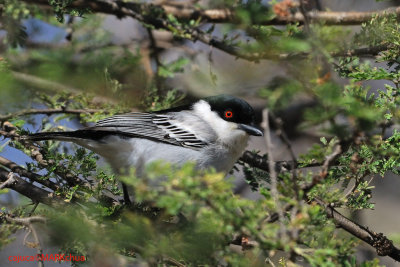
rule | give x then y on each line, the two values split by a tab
251	130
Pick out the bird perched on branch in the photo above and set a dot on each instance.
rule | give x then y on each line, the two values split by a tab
212	132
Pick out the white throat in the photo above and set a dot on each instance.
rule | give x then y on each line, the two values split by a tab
228	133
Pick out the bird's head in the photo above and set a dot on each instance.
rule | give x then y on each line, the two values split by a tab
235	110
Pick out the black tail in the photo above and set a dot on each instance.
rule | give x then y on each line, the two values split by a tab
91	134
62	136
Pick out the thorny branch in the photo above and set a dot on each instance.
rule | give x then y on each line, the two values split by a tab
23	172
383	246
9	131
261	162
327	17
381	243
29	190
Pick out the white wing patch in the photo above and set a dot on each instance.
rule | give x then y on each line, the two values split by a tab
178	133
157	127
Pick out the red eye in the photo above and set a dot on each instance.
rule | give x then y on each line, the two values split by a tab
228	114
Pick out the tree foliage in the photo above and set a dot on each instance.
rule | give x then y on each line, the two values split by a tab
182	217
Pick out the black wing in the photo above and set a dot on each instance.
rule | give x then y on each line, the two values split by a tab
157	127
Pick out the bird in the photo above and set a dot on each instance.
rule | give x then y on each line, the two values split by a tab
211	132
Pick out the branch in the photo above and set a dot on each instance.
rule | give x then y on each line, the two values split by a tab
373	51
305	14
383	246
329	161
28	222
333	18
30	175
9	182
36	154
43	196
272	173
30	191
23	221
261	162
284	138
60	170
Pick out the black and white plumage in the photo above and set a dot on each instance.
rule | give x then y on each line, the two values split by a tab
211	132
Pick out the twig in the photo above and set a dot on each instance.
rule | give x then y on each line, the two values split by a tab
244	242
173	262
10	180
35	205
28	189
25	173
272	173
271	163
28	222
356	184
261	163
39	247
155	54
67	175
270	262
23	221
306	19
329	161
69	30
10	132
36	194
373	51
383	246
284	138
282	135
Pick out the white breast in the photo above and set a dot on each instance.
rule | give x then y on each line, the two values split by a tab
123	154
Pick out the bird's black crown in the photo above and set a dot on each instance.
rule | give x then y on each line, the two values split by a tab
232	109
